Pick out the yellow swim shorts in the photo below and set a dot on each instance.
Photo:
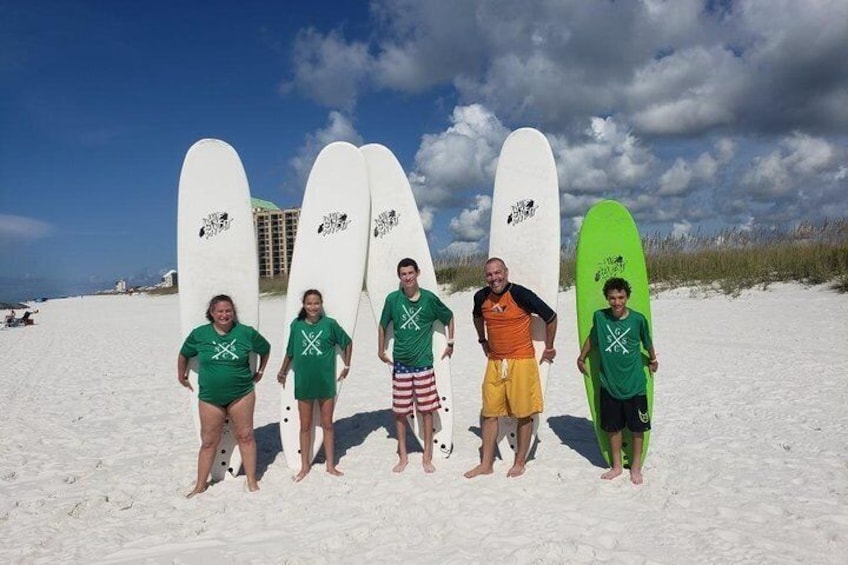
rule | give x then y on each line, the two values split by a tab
511	387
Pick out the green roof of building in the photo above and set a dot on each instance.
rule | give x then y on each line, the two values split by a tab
263	204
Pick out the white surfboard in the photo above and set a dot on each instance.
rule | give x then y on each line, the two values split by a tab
525	233
397	232
216	254
329	255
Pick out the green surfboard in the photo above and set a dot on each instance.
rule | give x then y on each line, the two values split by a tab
609	246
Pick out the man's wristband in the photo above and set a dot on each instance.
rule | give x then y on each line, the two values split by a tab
450	343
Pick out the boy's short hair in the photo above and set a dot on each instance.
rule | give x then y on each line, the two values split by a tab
407	262
617	283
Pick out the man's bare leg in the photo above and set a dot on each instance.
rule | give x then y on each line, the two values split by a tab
524	432
490	437
427	459
636	465
403	458
615	450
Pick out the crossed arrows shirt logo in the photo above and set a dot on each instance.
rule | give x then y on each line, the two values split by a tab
409	318
225	351
616	340
311	342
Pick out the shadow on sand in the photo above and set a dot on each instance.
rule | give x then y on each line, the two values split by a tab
268	446
579	435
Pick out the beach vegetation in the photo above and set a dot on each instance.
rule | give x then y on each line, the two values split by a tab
728	262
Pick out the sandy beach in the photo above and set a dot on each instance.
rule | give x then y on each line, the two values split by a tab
748	456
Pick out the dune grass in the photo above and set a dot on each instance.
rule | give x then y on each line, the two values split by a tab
730	261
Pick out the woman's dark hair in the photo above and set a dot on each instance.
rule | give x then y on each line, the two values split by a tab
302	314
221	298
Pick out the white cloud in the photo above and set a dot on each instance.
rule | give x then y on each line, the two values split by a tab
329	69
608	158
675	181
666	68
793	167
461	249
22	228
461	158
472	224
339	128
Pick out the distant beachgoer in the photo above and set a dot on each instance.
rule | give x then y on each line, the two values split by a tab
503	314
226	382
311	350
617	332
10	317
412	311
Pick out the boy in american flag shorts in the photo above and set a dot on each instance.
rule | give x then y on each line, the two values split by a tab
411	311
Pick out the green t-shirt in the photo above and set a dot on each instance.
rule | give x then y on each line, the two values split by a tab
617	342
224	372
312	348
413	325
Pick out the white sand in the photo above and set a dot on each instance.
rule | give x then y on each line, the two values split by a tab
747	461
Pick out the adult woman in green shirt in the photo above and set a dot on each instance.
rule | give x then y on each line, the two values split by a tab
311	350
223	349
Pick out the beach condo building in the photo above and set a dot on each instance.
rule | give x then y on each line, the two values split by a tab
275	232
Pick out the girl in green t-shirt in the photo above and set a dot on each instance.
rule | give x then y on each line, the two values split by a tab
311	350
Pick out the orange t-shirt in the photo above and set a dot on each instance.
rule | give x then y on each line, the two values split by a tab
508	321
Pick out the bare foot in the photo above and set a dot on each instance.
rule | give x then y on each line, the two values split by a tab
303	472
636	476
611	474
253	487
429	467
478	470
334	471
516	471
197	490
400	466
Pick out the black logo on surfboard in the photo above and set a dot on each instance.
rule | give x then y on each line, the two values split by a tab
385	222
334	222
215	223
522	210
610	267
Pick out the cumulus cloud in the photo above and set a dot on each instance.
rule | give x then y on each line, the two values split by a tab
472	224
605	159
329	69
462	157
800	163
339	128
667	68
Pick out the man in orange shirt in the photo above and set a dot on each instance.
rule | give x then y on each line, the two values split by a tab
511	387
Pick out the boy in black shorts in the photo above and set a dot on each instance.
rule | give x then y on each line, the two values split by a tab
617	332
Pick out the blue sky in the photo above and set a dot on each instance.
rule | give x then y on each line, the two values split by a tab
696	114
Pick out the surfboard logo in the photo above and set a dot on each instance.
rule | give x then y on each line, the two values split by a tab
334	222
385	222
610	267
522	210
215	223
